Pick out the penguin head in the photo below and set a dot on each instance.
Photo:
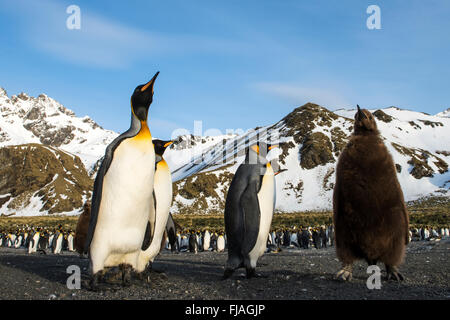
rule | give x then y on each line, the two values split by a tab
161	145
364	121
262	148
142	98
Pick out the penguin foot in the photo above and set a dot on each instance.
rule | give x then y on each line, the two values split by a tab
150	274
394	274
126	271
345	273
251	273
97	283
228	273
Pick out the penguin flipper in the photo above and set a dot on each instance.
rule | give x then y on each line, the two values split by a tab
147	238
251	216
149	230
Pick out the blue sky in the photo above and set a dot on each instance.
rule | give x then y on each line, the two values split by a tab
231	64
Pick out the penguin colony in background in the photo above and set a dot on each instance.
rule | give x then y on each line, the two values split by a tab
128	222
370	215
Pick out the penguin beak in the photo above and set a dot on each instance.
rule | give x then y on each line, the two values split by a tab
255	148
273	146
150	83
168	144
361	114
282	170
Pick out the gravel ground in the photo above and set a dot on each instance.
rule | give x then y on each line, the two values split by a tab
292	274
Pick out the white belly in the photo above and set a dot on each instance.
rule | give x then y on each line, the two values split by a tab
266	201
70	242
58	245
220	243
33	244
163	195
18	242
206	241
50	239
125	206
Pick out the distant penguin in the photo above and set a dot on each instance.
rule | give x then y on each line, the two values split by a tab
206	240
370	217
422	233
184	243
70	242
82	229
199	239
178	242
323	237
58	242
220	243
249	209
171	230
434	233
269	239
286	238
426	234
162	200
43	242
273	236
51	235
18	241
214	241
12	240
331	235
123	199
193	244
34	242
316	239
294	239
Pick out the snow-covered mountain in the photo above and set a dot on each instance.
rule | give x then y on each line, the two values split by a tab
419	143
25	119
202	167
444	114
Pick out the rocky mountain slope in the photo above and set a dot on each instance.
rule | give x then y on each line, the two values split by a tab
49	157
315	136
25	119
36	179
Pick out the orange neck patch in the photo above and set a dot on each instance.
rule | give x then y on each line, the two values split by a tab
144	133
162	165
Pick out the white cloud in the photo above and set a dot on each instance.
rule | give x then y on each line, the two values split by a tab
298	94
101	42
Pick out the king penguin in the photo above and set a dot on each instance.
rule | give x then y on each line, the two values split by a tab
32	247
123	194
57	243
171	230
206	240
249	209
369	211
162	200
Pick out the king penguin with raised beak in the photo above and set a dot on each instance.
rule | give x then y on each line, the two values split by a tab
123	195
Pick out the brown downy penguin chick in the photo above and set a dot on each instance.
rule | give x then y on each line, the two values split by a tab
82	228
370	216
